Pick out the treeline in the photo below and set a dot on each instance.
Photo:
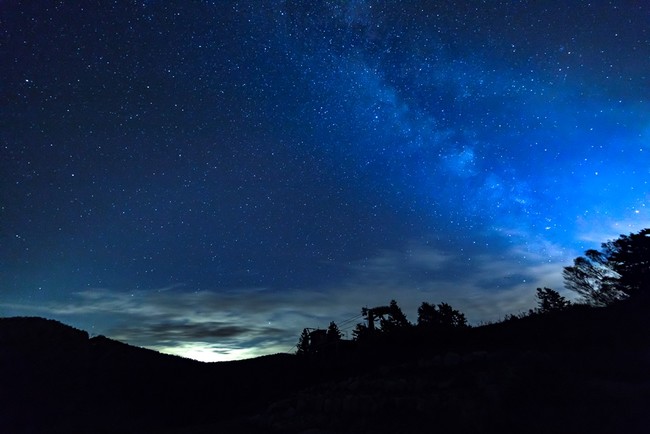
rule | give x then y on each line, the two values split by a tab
620	270
386	323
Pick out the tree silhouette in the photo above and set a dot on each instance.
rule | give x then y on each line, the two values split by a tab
360	332
629	257
441	317
592	278
303	345
333	333
395	320
549	300
619	270
391	320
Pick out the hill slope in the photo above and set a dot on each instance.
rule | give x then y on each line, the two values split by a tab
582	370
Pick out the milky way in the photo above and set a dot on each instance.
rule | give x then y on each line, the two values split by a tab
208	178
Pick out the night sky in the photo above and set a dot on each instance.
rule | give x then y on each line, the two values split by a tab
208	178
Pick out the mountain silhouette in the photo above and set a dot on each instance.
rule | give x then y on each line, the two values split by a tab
579	370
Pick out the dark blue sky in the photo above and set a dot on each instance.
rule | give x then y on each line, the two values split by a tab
208	178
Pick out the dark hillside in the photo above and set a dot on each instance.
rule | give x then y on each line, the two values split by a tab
55	379
579	370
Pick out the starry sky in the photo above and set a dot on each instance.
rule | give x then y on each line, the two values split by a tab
207	178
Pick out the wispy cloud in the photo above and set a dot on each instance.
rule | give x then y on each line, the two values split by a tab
610	229
229	324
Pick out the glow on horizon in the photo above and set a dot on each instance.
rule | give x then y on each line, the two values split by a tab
206	352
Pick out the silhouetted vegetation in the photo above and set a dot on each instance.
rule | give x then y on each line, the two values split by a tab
619	270
313	341
614	274
333	333
395	320
304	343
549	300
391	321
440	318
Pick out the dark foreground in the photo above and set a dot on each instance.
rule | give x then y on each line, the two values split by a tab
585	370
